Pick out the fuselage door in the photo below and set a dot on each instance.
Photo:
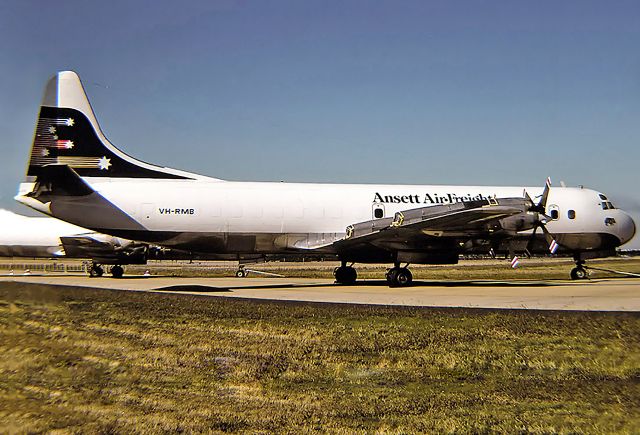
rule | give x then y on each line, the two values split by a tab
377	210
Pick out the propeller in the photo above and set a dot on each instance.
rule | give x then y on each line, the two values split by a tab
542	219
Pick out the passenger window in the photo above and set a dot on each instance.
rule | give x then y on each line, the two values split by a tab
378	213
554	214
571	214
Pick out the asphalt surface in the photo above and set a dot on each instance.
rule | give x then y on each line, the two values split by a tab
620	294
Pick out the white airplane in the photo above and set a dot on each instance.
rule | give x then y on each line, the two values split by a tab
45	237
77	175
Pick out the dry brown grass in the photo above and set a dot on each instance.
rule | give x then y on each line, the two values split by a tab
85	360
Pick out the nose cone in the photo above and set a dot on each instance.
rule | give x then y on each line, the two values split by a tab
626	228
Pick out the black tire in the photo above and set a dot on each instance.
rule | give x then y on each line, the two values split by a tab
95	271
399	277
352	275
404	277
117	271
392	275
345	275
578	273
241	274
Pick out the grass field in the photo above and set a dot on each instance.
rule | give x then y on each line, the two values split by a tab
534	268
496	269
85	360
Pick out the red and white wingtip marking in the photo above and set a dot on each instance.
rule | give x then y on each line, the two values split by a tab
553	247
515	262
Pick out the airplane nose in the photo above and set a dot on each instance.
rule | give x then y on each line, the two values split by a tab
627	228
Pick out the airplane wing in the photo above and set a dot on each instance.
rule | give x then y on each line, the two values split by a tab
104	249
419	228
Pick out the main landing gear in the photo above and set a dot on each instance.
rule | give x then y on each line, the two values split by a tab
579	272
96	271
399	276
117	271
345	275
396	276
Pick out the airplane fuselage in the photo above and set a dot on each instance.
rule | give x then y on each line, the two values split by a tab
225	217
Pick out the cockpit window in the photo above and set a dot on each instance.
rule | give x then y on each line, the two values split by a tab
602	197
607	205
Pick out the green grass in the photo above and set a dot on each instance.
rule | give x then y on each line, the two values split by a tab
498	269
86	360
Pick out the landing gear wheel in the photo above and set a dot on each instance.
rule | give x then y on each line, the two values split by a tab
96	271
241	273
399	277
392	275
345	275
578	273
117	271
404	277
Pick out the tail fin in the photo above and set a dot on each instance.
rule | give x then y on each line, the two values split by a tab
68	134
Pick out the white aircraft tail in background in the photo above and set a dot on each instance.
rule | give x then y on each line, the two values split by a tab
45	237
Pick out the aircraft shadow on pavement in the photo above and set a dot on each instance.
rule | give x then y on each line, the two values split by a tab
473	283
380	283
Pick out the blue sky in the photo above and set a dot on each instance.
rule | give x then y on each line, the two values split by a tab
426	92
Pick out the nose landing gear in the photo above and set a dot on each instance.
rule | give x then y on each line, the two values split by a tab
579	272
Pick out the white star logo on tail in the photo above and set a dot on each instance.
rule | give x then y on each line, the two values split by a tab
104	163
69	122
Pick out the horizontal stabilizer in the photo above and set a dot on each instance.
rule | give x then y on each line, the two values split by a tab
60	192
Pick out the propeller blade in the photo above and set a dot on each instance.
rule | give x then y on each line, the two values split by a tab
515	262
526	196
542	205
553	245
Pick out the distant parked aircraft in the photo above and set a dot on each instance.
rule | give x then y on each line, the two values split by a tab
45	237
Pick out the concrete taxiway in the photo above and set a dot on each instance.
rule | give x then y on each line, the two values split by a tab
595	295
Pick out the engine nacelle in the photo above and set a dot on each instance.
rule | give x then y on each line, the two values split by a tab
521	222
